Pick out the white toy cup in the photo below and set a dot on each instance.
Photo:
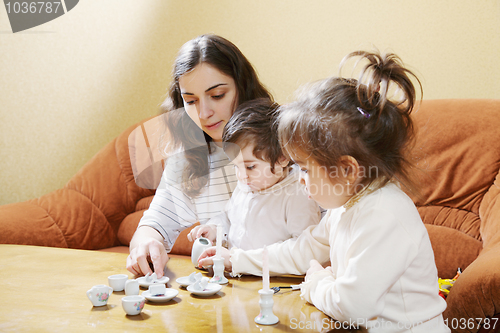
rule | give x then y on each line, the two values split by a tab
117	281
133	305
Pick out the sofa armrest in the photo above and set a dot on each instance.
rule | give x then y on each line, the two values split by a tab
476	294
182	245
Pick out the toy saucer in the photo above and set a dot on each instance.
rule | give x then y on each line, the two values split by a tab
210	289
184	281
145	284
169	294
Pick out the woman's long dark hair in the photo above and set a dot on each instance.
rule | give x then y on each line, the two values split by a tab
183	132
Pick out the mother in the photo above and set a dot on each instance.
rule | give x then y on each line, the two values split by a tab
210	78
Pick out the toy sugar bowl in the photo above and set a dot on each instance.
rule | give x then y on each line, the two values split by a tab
201	284
99	294
132	287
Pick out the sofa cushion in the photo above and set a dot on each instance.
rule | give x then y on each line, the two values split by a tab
455	218
457	156
63	218
457	152
452	249
34	226
87	212
490	215
144	203
128	227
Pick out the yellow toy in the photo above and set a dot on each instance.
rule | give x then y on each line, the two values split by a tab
446	284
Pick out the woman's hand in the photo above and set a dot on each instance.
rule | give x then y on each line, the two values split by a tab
146	244
314	266
207	231
206	258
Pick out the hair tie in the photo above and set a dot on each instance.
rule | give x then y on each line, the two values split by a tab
363	112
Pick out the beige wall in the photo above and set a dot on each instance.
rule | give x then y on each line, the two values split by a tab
69	86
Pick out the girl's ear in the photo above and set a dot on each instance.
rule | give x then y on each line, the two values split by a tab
283	161
349	168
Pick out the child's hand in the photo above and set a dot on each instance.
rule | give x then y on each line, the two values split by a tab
315	266
207	256
207	231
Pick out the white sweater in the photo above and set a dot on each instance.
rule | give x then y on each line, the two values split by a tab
172	211
253	219
383	275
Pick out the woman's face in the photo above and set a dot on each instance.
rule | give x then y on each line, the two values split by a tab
209	98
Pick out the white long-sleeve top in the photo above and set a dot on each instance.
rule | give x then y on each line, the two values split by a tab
383	275
253	219
172	210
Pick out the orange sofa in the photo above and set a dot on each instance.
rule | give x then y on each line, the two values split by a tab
457	156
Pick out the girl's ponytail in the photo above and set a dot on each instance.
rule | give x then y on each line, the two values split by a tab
368	119
378	77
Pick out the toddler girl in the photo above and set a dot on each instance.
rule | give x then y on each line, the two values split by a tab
350	139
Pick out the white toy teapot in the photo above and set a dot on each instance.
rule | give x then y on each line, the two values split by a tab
99	294
199	245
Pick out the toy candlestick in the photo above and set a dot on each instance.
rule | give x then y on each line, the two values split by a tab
218	242
219	272
266	315
265	269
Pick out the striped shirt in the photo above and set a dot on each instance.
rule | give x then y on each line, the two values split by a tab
172	211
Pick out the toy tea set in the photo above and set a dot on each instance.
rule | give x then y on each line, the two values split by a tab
195	283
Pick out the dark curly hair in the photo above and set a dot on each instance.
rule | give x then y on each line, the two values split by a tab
254	123
338	116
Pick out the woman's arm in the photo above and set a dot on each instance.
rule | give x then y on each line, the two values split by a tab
170	212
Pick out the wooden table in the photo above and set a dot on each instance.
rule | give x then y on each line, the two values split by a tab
44	290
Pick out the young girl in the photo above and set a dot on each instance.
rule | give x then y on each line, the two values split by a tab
350	140
210	78
269	204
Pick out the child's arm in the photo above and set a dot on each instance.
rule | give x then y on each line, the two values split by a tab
379	252
223	221
209	230
207	256
291	256
300	212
